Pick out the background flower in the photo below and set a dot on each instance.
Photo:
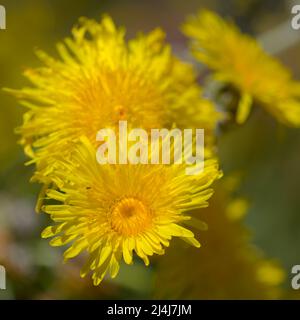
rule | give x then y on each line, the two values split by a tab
239	60
228	266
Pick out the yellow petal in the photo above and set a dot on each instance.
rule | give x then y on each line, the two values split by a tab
244	108
127	252
75	249
61	240
114	266
194	242
105	253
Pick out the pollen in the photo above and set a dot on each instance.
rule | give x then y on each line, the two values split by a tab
130	217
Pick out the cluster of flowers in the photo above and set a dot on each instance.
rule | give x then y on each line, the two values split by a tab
113	212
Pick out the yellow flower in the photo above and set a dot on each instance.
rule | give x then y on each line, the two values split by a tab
237	59
227	266
109	211
101	79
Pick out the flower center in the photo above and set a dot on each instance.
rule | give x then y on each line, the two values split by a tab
130	217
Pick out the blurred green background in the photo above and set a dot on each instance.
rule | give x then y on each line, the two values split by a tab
267	154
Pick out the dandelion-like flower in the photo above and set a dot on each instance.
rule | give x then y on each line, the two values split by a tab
100	80
238	59
111	211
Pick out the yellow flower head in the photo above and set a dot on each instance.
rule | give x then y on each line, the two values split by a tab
237	59
101	79
109	211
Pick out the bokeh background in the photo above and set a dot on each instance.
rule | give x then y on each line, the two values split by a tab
265	153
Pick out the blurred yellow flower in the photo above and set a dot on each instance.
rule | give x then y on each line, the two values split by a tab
227	266
110	211
237	59
101	79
